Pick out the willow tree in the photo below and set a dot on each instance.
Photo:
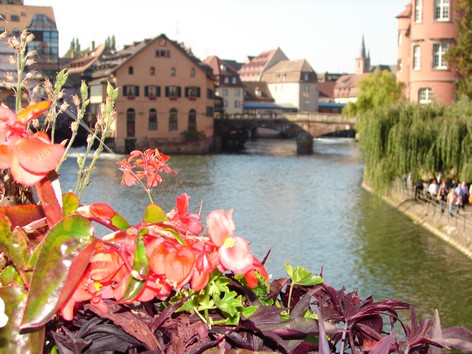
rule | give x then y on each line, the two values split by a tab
416	139
378	89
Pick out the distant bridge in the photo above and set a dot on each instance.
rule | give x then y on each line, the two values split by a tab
234	130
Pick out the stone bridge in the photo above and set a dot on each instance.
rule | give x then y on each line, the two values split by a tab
234	130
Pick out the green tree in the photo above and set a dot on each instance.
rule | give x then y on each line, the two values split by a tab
460	54
380	89
74	49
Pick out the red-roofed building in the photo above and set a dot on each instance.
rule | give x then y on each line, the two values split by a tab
253	70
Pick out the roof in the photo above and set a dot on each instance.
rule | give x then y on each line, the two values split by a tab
224	72
346	85
258	64
406	13
81	64
326	89
111	63
292	71
23	16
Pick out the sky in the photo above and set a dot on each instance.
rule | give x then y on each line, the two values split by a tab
327	33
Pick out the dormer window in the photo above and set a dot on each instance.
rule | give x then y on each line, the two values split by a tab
258	92
223	67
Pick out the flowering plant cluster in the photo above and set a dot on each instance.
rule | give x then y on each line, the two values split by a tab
167	284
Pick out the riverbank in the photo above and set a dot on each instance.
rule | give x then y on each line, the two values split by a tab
455	230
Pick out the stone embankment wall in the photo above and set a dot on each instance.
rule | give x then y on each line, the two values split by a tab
455	230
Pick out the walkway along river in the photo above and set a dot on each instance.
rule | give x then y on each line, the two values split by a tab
310	211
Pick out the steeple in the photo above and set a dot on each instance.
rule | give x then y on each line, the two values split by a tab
363	61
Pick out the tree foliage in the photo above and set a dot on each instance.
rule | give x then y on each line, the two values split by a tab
416	139
74	49
110	43
376	90
460	55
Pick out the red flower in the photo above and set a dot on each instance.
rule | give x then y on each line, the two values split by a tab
144	165
187	221
29	156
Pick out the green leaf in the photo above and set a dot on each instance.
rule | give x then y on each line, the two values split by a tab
120	222
302	276
12	341
63	243
141	266
13	244
248	311
70	203
154	214
9	275
231	303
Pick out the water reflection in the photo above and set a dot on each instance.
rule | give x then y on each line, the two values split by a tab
310	211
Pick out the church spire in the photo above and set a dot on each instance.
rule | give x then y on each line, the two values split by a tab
362	53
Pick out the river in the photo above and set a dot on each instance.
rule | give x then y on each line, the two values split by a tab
309	211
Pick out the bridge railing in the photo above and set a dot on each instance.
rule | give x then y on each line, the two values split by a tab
292	116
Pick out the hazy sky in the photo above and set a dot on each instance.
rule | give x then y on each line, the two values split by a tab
327	33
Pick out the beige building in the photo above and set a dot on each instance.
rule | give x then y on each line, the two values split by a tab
293	84
166	96
230	87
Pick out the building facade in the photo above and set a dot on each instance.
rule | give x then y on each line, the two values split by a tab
166	95
255	67
229	85
426	30
293	84
40	21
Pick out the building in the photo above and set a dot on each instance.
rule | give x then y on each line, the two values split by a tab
166	97
229	85
40	21
255	67
426	30
293	85
346	88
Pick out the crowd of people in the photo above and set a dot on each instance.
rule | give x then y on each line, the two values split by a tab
450	193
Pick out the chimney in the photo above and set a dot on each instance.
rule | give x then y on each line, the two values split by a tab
93	45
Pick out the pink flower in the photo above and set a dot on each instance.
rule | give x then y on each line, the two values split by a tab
233	251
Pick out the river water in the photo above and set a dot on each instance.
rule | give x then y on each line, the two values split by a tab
309	211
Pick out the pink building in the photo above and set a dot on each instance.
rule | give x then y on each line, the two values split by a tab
426	30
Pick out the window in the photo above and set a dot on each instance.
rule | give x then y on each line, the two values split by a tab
173	120
416	57
224	92
234	81
130	70
210	93
439	55
14	18
441	10
237	93
209	111
130	122
418	11
152	91
152	71
152	120
192	120
400	38
192	72
173	91
173	72
425	95
237	104
226	80
192	92
400	65
163	53
131	90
